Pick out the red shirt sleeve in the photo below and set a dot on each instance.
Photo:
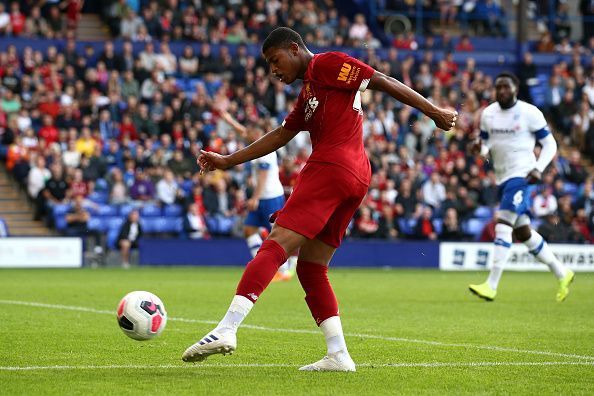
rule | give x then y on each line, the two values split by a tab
339	70
295	120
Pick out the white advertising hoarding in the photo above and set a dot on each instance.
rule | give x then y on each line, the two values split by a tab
460	256
37	252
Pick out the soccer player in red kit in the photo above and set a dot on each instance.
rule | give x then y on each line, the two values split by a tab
328	191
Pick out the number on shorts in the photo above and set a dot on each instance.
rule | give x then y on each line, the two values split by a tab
518	198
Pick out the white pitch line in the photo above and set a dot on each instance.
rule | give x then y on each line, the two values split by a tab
275	365
304	331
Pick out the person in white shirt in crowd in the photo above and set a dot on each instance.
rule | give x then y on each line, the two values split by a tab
38	176
194	223
168	191
544	203
434	192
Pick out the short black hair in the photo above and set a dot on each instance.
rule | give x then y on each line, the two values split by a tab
509	75
282	37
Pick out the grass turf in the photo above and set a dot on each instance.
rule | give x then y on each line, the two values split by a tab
390	318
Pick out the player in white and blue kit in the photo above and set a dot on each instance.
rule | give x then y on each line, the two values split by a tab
509	131
267	197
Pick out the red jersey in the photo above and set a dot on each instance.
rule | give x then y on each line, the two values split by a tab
329	107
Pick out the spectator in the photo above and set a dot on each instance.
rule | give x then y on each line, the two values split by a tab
77	220
118	193
143	189
424	228
54	192
194	223
37	178
4	20
35	25
464	45
365	225
451	230
128	237
219	204
168	192
434	192
544	204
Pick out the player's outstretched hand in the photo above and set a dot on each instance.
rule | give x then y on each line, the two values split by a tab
208	161
534	176
445	118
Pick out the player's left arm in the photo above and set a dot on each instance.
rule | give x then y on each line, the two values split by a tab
444	118
541	132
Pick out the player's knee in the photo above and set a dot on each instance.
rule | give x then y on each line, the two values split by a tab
288	239
523	233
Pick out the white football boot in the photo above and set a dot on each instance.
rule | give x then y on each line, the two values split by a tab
338	361
211	344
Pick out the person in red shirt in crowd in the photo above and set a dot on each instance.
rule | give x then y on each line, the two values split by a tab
49	105
127	129
329	190
443	74
73	10
288	175
79	186
464	44
17	19
48	131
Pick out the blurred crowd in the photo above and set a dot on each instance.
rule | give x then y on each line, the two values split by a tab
119	127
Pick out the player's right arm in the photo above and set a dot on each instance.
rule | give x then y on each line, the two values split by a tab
444	118
268	143
479	146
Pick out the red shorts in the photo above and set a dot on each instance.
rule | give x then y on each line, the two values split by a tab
322	203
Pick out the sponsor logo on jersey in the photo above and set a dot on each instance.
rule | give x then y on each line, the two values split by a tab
348	73
502	131
344	72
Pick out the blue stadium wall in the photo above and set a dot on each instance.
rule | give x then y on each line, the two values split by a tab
234	252
447	256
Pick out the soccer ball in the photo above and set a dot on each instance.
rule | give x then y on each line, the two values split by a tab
141	315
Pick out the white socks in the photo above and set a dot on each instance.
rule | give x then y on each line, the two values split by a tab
503	241
254	242
332	329
238	310
541	250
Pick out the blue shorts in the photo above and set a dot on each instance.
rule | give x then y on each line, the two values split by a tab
514	195
261	216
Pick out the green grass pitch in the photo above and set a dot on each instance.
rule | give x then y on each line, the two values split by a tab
409	331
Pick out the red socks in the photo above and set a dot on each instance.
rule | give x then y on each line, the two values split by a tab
319	295
260	271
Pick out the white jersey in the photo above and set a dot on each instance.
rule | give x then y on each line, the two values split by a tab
511	134
272	186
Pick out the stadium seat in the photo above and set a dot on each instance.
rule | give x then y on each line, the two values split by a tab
483	212
99	197
60	209
106	210
112	237
570	188
438	225
97	223
101	185
60	222
125	209
150	210
172	210
474	227
114	223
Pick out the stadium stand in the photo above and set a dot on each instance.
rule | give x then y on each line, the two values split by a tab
125	111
